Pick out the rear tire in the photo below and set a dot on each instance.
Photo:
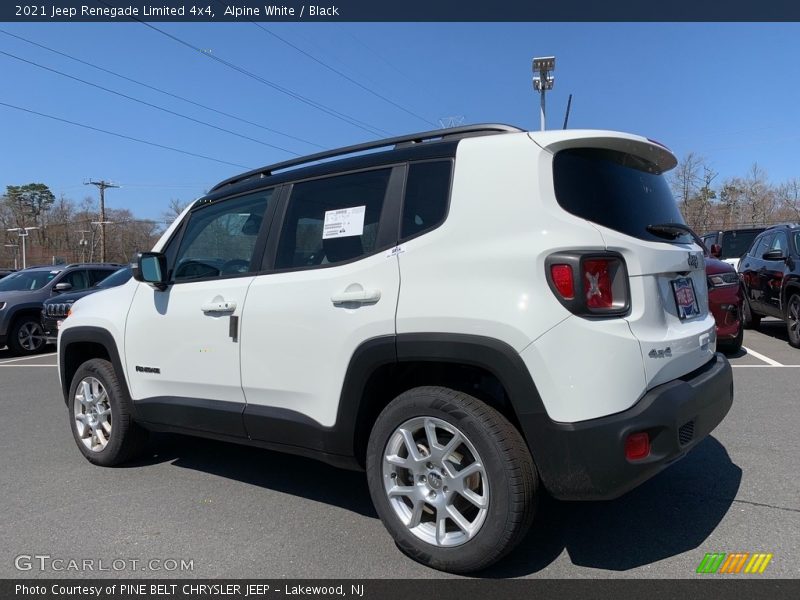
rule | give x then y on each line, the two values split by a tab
750	320
793	319
101	416
420	444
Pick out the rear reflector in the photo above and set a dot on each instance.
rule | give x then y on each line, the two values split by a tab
562	280
597	282
637	446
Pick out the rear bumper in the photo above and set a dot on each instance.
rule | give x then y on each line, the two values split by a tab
586	460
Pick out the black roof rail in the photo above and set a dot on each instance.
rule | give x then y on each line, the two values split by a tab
403	140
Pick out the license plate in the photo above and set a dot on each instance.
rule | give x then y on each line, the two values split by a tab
58	324
685	298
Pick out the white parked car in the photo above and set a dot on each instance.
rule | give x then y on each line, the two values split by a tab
474	316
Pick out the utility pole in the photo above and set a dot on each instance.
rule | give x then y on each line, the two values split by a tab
102	185
22	232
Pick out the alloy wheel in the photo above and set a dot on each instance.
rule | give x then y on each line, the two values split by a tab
92	414
30	336
435	481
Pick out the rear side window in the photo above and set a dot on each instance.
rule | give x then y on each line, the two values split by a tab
426	198
78	279
616	190
332	220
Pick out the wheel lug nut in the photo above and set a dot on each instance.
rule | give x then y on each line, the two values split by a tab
429	465
393	475
432	494
422	479
444	489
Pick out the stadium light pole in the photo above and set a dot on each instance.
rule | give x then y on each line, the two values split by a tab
22	232
16	253
543	80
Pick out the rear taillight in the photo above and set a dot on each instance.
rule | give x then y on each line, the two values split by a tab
599	293
563	280
589	283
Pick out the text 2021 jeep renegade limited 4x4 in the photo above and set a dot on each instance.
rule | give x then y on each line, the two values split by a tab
473	315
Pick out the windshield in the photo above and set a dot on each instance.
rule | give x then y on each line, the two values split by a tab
116	278
616	190
736	243
26	280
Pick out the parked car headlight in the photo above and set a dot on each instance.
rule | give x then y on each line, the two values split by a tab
723	280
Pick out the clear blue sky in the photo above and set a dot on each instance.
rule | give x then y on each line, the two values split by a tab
726	91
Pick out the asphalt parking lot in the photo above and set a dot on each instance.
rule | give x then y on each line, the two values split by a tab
241	512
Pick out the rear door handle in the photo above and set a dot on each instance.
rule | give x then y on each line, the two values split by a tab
219	307
357	297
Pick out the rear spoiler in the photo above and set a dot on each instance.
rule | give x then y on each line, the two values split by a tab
649	150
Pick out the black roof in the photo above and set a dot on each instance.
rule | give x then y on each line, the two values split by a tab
428	144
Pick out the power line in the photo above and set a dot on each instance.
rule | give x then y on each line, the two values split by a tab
161	91
145	103
314	104
338	72
123	136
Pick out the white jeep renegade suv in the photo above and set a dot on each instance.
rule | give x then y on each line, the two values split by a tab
473	315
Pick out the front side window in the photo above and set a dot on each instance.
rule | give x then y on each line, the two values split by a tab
779	242
220	239
761	246
332	220
78	279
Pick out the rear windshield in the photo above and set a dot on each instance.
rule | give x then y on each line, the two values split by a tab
736	243
616	190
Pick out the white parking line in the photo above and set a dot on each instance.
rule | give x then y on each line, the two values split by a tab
766	359
760	366
25	366
11	360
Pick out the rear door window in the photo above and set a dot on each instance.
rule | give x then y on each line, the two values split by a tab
332	220
616	190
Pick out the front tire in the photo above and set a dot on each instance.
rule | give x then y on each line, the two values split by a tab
26	337
793	319
101	416
451	479
750	320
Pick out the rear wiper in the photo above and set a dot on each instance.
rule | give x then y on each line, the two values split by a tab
671	231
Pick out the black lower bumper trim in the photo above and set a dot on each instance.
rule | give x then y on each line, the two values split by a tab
586	460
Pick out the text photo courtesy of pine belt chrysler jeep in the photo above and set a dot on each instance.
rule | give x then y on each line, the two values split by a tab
476	316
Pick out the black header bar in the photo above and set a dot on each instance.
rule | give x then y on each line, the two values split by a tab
399	10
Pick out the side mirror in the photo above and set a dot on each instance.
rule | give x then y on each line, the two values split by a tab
716	250
151	267
62	287
773	255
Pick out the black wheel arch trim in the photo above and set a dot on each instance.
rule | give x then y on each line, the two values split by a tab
92	335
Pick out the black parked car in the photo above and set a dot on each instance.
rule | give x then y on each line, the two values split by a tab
770	273
22	294
55	309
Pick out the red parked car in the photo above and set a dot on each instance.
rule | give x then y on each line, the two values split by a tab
725	299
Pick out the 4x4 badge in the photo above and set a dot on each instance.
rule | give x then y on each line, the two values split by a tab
693	262
665	353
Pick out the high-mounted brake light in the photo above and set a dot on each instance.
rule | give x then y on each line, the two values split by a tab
562	280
